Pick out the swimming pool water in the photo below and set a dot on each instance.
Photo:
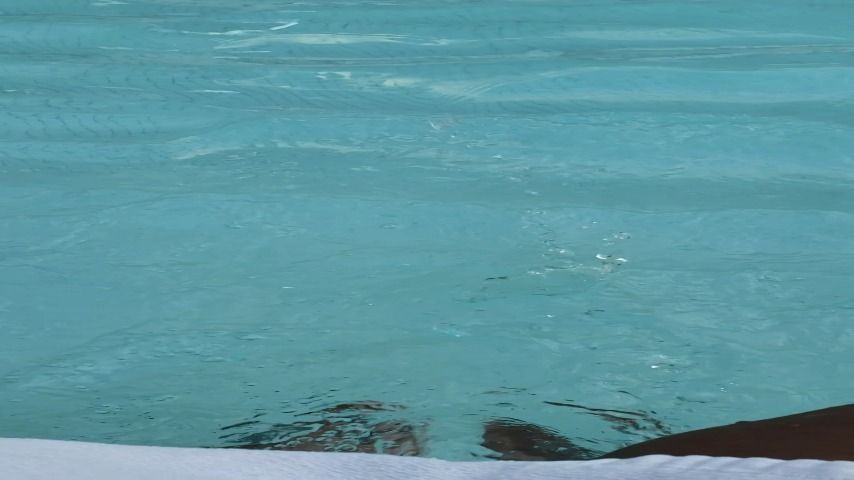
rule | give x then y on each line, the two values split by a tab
216	212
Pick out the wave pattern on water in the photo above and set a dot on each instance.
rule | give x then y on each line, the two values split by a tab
221	213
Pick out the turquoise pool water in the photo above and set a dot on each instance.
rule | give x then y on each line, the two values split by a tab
216	212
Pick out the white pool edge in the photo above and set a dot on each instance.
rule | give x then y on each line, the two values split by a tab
32	459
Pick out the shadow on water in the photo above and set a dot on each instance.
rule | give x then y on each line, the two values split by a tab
624	421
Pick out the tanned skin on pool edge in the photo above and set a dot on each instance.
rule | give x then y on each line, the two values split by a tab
826	434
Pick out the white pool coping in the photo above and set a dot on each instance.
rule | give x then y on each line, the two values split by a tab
29	459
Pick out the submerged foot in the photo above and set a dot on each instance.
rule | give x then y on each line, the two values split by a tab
513	439
345	428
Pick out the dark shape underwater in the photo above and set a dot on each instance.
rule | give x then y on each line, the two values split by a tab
826	434
346	427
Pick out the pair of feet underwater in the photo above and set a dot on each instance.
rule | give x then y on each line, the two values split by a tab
826	434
